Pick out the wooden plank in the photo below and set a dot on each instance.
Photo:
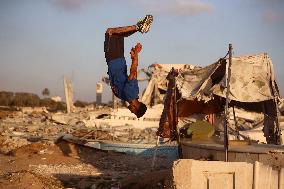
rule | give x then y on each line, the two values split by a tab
220	156
231	156
186	152
251	157
241	157
255	148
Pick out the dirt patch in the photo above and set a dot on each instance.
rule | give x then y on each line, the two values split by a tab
27	180
154	180
28	150
8	144
30	157
44	165
4	114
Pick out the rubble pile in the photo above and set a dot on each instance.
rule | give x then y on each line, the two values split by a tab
32	153
20	128
120	134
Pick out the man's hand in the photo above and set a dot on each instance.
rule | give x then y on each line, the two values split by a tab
135	50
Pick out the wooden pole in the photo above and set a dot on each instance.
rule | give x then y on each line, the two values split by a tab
236	123
226	141
176	117
67	97
175	109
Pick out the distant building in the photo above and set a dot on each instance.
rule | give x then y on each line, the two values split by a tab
99	93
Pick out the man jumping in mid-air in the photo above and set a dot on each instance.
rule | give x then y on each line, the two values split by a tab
123	86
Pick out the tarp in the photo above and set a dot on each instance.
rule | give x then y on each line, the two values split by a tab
252	84
252	80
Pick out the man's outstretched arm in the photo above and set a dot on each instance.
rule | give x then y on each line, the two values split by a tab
134	56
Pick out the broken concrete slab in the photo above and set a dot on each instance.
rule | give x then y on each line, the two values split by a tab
191	174
265	175
60	118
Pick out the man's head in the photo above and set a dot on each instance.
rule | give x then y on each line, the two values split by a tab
138	108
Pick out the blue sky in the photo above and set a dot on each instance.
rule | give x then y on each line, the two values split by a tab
42	40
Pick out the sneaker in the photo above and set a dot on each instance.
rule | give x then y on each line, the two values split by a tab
143	26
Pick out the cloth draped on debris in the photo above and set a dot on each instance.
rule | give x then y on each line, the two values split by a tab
252	80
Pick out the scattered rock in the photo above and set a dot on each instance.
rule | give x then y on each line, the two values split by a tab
8	144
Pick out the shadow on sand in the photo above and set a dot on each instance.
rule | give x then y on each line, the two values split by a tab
115	169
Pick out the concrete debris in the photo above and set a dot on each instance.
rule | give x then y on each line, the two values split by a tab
33	138
37	135
24	127
20	128
212	174
118	134
79	169
60	118
34	110
8	144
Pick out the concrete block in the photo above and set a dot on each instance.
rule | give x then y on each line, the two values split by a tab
191	174
265	175
281	179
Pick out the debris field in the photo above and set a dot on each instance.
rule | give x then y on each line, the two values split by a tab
32	155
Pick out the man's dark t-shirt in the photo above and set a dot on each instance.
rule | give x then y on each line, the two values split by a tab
122	87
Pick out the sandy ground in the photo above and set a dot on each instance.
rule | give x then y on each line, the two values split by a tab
44	164
67	165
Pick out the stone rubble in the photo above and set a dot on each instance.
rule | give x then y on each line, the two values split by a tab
21	128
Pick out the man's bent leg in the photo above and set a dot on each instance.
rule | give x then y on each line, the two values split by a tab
122	31
114	41
113	46
114	37
142	26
